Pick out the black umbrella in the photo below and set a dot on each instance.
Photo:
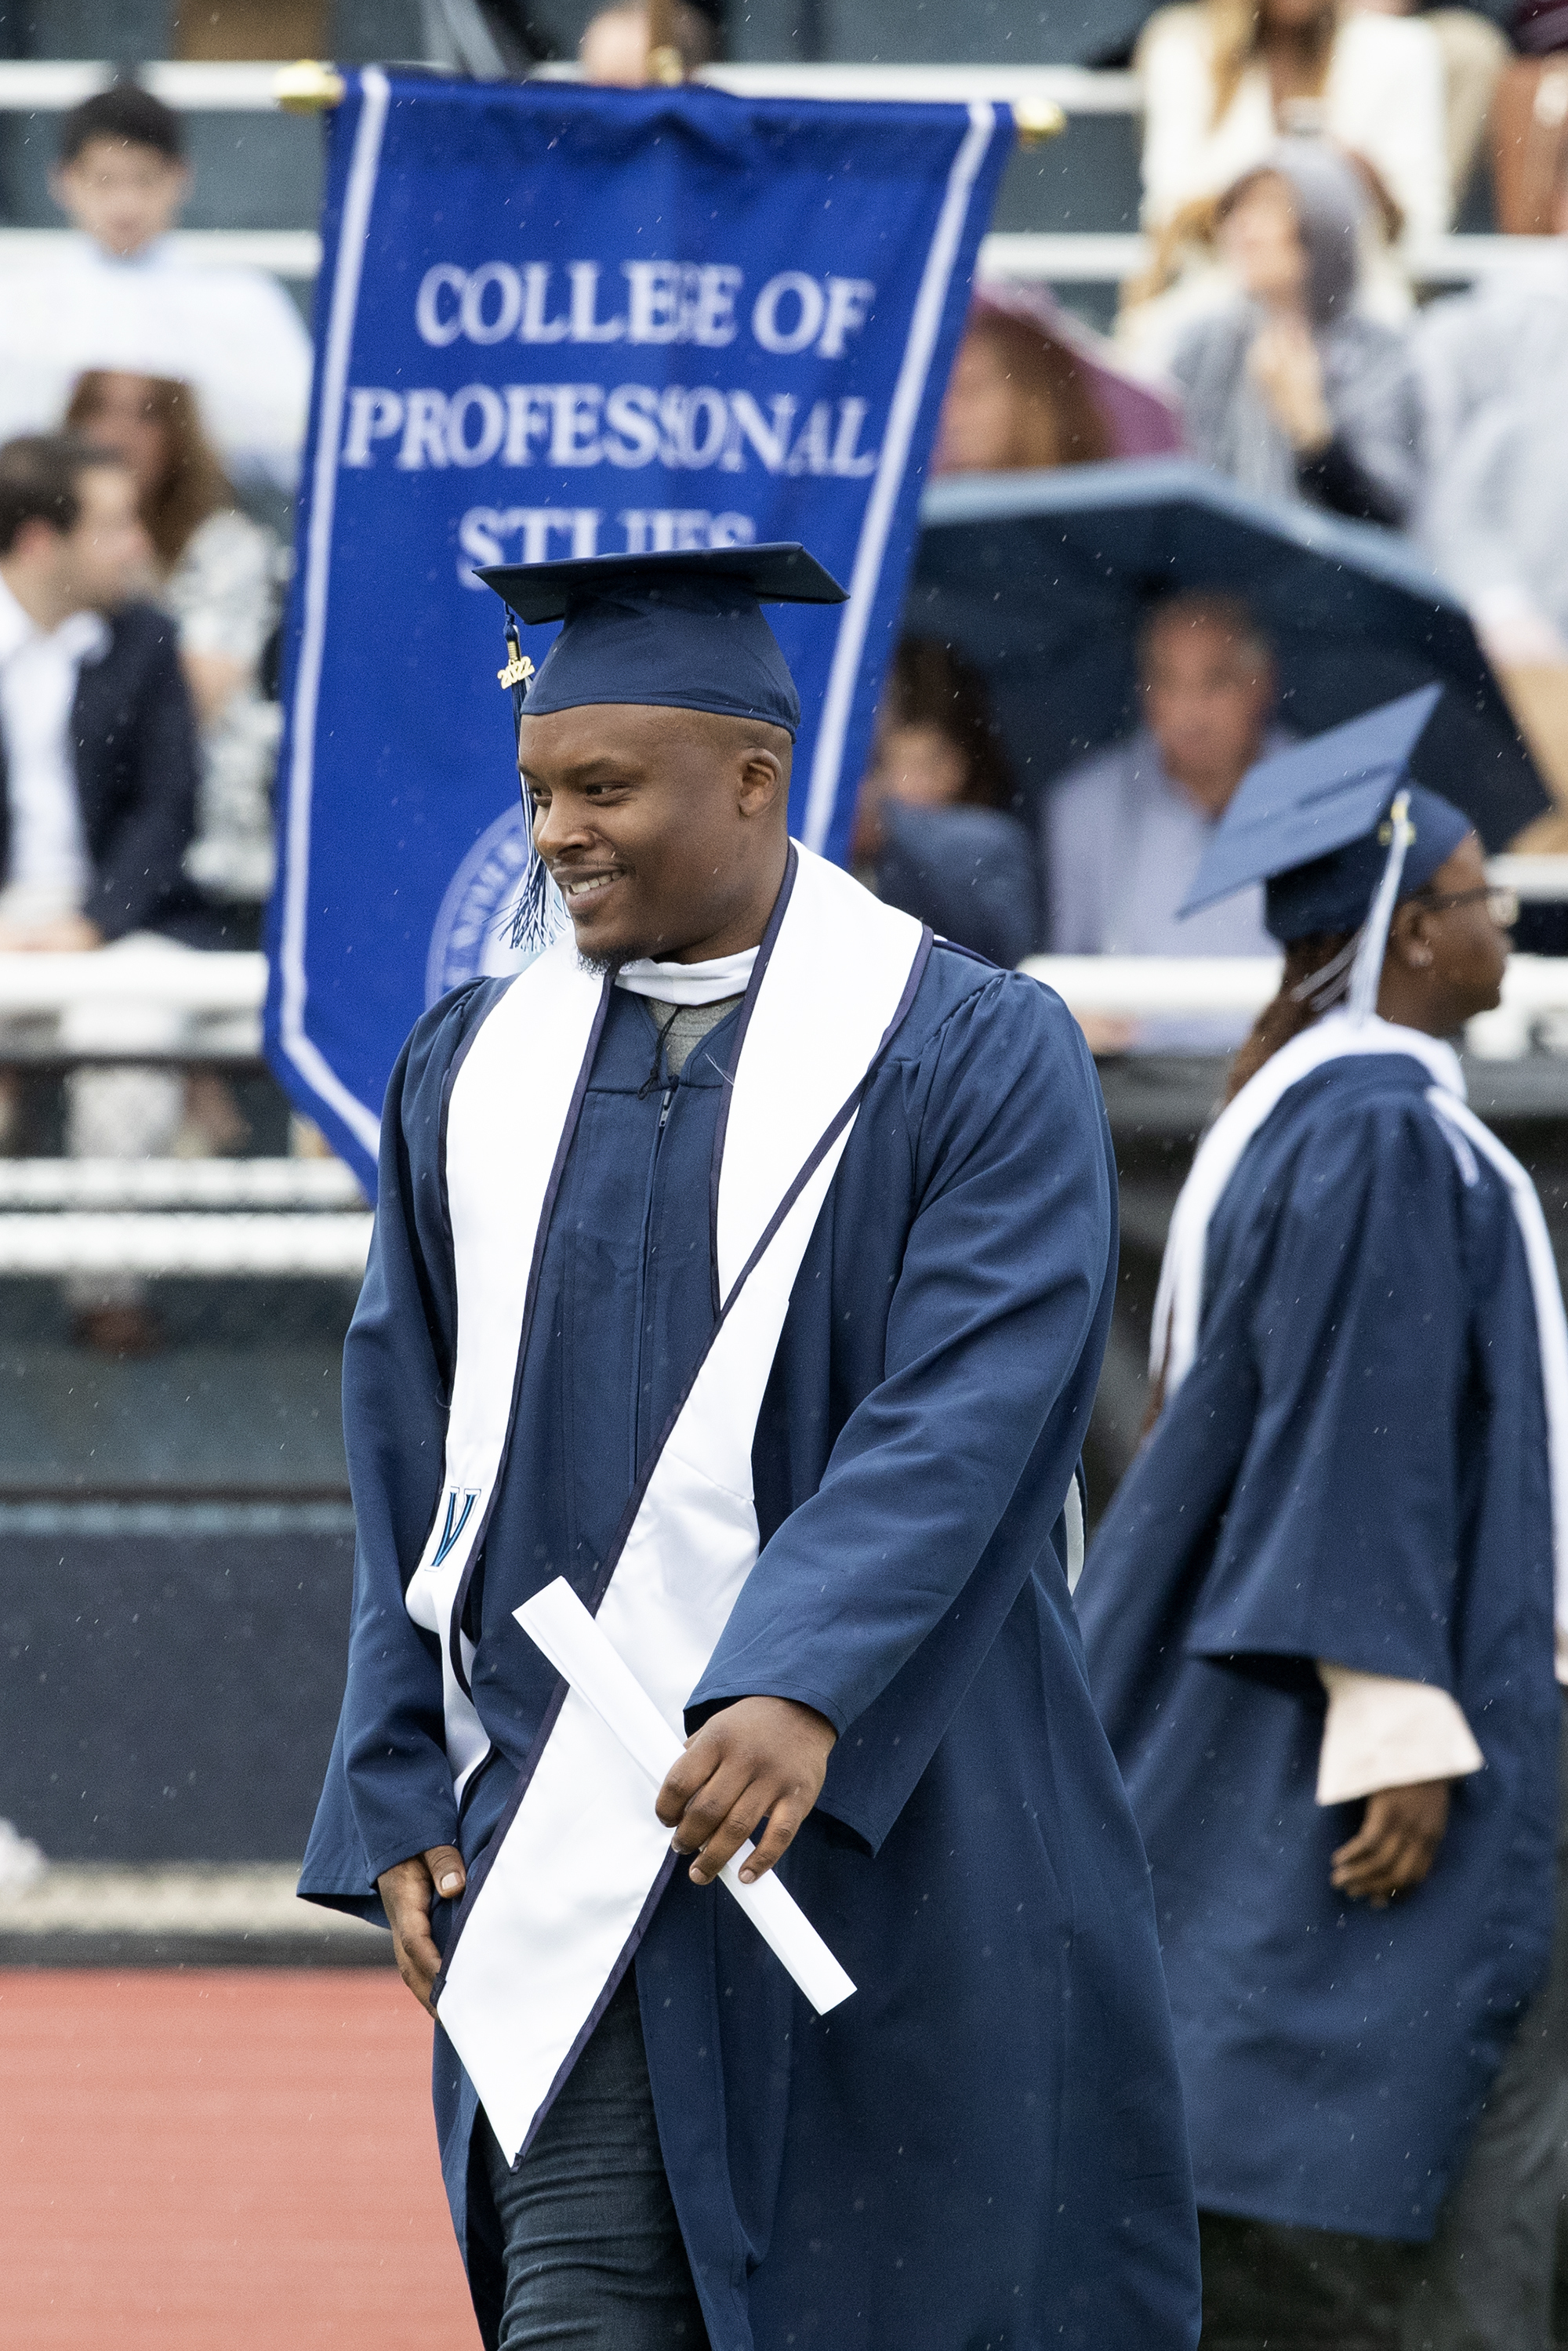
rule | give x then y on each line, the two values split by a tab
1042	579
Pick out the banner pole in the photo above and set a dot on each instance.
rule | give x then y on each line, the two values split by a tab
664	62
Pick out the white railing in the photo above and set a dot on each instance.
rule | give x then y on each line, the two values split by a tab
203	1218
217	1183
48	86
90	1241
1534	1008
186	983
51	85
130	1005
1090	258
60	1217
1543	880
1144	987
223	1218
1148	986
195	1899
1075	89
1096	258
228	990
287	252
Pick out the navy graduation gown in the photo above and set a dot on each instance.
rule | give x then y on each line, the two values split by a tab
985	2146
1354	1468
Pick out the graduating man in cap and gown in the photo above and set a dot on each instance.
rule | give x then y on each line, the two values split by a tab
1319	1615
740	1278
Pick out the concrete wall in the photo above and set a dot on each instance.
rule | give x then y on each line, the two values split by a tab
170	1695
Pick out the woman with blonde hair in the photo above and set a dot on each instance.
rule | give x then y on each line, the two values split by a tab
217	575
1223	79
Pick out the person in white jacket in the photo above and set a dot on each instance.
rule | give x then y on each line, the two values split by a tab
1223	79
122	295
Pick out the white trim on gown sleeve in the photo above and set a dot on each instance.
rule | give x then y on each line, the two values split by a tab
1383	1733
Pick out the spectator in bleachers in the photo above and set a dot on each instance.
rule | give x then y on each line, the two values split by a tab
1124	830
613	49
218	574
99	759
933	828
97	785
1290	389
1029	388
120	294
1529	126
1474	52
1222	80
1494	371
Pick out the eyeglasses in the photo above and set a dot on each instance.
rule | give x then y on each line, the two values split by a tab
1501	904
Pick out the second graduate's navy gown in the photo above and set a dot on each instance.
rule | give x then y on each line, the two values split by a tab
985	2146
1354	1468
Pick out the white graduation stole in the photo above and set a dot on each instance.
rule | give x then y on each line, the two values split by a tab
1178	1304
559	1900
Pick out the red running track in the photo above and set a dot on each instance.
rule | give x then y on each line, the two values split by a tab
221	2159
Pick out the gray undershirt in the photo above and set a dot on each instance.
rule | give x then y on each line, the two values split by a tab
683	1026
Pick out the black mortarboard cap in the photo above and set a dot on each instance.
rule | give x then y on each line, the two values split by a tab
682	630
1308	822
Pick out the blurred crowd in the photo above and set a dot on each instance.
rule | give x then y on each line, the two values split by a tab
1299	158
142	397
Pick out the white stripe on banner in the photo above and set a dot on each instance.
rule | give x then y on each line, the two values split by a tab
822	795
306	1056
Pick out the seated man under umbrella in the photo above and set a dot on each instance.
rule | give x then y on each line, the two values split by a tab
1123	830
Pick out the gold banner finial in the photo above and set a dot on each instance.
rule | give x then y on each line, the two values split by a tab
308	88
1036	119
665	64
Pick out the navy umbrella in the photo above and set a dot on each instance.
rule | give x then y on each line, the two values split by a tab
1042	580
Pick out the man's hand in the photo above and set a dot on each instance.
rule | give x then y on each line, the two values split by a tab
61	934
1395	1845
1284	365
407	1890
760	1759
1106	1032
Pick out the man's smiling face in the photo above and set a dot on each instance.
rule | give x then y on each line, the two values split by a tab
665	830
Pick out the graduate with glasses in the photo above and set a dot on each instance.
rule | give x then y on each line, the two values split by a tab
1319	1615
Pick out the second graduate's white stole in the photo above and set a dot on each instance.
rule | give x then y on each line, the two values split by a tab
559	1900
1178	1304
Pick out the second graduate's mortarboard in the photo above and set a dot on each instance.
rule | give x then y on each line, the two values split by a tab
682	630
1310	822
1337	832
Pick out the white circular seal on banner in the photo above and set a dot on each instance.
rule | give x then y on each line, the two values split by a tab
471	938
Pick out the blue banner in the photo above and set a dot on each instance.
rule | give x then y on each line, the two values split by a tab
554	321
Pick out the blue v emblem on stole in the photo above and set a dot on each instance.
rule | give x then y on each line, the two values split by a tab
455	1520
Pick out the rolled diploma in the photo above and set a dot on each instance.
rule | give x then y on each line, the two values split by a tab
555	1621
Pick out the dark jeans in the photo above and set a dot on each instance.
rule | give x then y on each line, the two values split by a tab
1484	2282
593	2254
